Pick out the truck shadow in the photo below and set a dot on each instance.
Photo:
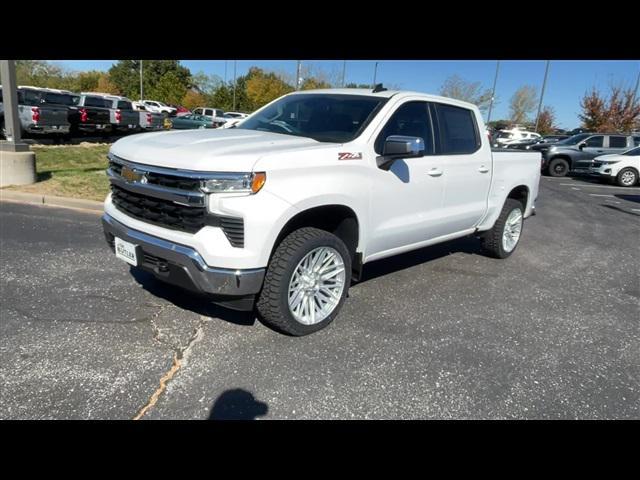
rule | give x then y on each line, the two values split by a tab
379	268
237	404
190	301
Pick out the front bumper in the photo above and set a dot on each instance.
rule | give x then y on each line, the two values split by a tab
183	266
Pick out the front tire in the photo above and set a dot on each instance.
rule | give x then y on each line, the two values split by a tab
558	167
502	240
306	282
627	177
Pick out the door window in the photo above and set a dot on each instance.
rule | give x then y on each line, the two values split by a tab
458	131
617	142
595	142
410	119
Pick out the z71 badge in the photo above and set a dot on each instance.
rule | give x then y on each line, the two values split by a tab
350	156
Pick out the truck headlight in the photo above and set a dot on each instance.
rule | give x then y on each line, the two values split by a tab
234	183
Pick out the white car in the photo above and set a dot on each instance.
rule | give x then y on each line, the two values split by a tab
623	168
158	107
282	212
507	137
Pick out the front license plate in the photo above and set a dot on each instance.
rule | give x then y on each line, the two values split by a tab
126	251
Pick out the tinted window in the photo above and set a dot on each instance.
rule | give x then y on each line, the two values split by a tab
29	97
574	140
410	119
636	141
326	117
209	112
124	105
617	142
61	98
595	141
458	133
96	102
634	152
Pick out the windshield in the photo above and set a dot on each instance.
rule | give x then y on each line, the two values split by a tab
327	117
61	98
575	139
634	152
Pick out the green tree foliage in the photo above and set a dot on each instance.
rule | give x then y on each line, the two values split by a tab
522	103
472	92
263	87
158	78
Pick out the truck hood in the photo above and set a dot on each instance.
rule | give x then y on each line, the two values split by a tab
219	150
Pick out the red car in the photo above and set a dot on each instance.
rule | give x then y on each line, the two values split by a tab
180	110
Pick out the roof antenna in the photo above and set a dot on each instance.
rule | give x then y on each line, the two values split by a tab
378	88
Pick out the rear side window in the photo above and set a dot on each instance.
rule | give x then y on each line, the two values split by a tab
617	142
29	97
208	112
410	119
123	105
595	141
458	131
96	102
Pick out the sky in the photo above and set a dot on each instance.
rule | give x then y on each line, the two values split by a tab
567	81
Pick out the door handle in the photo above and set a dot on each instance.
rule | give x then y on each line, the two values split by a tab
435	172
483	169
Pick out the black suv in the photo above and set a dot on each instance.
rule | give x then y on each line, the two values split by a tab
575	153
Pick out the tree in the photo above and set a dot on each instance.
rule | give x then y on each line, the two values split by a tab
472	92
193	99
105	85
546	121
169	89
263	87
617	112
126	76
522	103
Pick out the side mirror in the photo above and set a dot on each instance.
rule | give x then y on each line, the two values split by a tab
400	146
581	145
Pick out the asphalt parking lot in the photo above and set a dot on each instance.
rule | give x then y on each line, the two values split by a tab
442	333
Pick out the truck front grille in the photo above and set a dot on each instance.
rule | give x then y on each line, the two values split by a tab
164	180
167	214
158	211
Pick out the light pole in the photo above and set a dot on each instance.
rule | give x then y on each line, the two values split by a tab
344	71
375	73
17	162
234	84
298	73
225	71
493	91
141	90
544	84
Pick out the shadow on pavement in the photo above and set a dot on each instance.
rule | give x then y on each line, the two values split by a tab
469	245
237	404
187	300
613	207
629	198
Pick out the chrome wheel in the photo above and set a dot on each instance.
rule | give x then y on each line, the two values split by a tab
628	178
512	229
316	286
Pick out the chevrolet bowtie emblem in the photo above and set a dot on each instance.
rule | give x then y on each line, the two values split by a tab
131	175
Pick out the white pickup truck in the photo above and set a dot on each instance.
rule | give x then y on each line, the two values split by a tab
281	213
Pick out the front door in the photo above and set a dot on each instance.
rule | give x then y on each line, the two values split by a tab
594	147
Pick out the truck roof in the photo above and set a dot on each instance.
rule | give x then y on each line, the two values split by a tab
384	94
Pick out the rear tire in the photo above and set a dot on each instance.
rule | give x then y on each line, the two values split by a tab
558	167
496	242
287	262
627	177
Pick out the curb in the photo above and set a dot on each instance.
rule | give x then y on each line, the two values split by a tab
51	200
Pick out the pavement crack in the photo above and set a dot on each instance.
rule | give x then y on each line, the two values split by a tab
179	357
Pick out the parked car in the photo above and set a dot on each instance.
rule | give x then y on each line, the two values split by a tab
235	115
86	113
554	138
180	110
191	121
158	107
505	137
623	168
215	114
575	153
149	120
36	117
282	212
122	116
523	144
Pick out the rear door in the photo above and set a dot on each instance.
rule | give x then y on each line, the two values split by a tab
616	144
466	166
